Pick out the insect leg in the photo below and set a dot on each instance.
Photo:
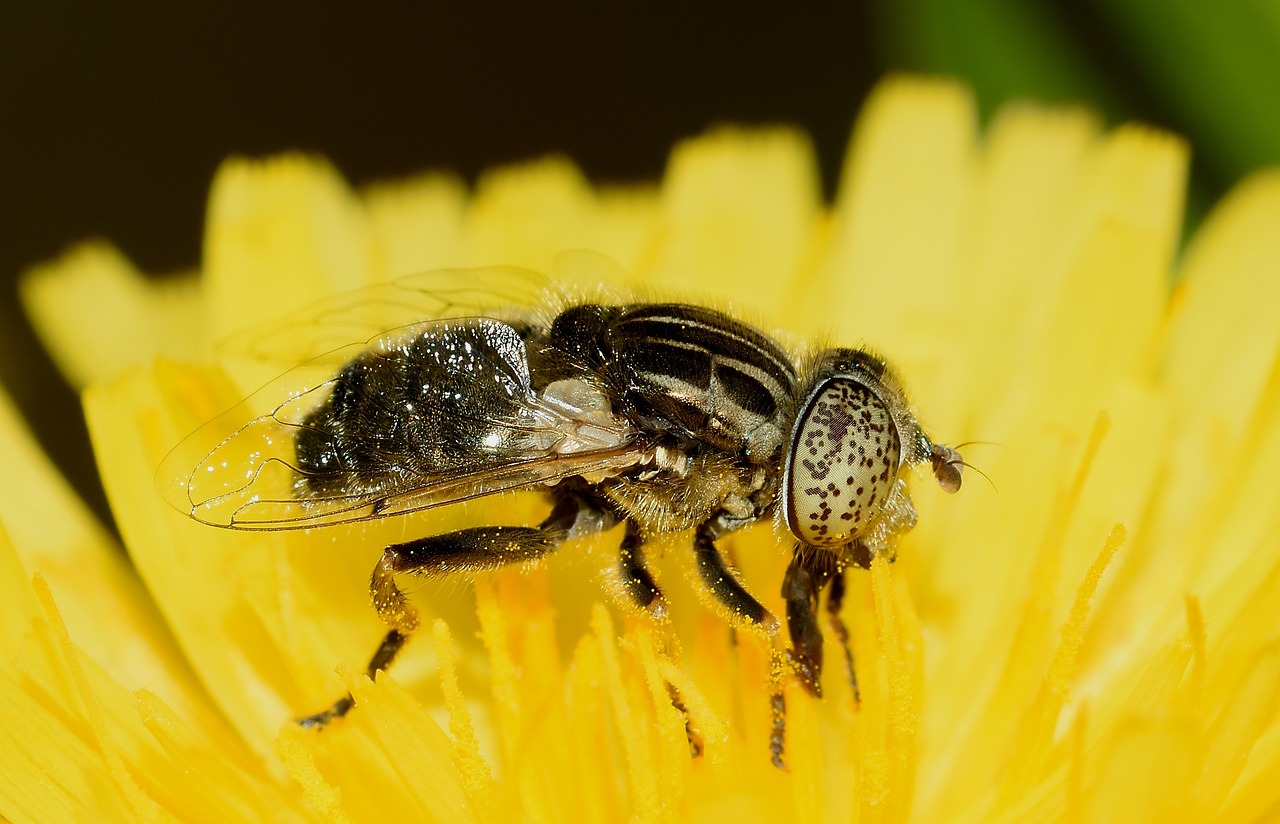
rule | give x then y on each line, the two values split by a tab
733	596
691	733
722	583
643	592
835	600
800	588
807	574
637	581
467	550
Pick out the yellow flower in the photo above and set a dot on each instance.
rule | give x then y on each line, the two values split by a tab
1090	637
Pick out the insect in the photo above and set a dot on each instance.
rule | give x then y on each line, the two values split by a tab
663	417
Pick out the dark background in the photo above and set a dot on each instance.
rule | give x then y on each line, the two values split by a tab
116	117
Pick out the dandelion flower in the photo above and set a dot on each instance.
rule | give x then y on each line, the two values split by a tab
1091	637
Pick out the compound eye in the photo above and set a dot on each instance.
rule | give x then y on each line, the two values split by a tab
843	464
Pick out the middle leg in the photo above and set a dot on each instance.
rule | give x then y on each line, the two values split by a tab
733	596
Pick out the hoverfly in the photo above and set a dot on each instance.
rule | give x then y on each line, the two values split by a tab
664	417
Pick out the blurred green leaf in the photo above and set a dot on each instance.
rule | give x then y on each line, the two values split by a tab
1208	70
1216	67
1004	48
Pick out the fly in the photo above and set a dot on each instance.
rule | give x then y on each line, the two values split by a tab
663	417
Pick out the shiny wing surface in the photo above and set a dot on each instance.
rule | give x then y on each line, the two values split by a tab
427	415
322	330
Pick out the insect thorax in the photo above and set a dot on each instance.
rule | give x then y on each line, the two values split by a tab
685	372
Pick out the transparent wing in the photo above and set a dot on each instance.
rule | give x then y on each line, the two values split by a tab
321	331
425	415
249	482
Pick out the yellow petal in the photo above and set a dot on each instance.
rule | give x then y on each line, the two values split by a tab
739	214
1009	670
527	215
279	234
105	606
416	223
890	275
97	314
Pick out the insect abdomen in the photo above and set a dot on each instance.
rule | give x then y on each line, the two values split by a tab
430	405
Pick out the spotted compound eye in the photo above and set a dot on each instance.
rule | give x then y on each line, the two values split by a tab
844	463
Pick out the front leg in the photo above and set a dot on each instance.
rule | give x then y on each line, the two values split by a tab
810	571
835	600
805	578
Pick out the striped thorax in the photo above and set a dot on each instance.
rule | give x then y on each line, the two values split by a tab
659	417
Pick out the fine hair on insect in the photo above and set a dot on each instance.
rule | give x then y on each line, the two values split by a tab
660	417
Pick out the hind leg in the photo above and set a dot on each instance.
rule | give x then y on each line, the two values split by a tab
467	550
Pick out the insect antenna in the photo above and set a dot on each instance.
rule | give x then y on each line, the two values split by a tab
965	463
